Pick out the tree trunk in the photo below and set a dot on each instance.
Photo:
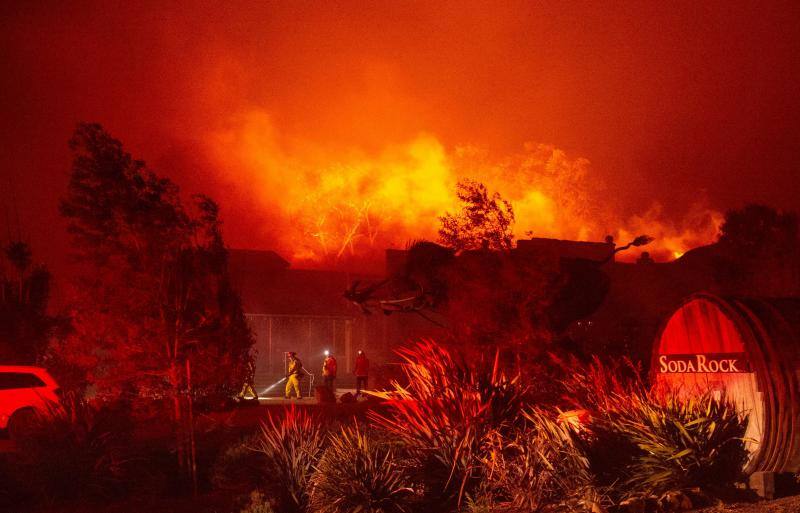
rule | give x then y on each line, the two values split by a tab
180	439
190	421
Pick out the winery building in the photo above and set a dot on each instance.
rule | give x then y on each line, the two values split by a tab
302	310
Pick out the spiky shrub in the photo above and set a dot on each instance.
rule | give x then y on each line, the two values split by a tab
358	472
292	445
601	387
536	468
75	449
644	440
444	414
683	442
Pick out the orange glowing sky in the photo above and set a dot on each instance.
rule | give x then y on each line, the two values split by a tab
311	122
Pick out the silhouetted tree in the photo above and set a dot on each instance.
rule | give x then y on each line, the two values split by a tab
25	326
759	229
485	220
759	252
155	298
483	292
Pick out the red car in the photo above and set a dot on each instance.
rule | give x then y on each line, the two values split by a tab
24	391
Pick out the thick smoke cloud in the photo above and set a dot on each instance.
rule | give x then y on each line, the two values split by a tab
680	111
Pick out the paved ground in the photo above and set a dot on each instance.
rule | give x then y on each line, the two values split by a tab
277	395
251	416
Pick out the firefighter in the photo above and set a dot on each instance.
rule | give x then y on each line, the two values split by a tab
361	372
248	388
294	375
329	371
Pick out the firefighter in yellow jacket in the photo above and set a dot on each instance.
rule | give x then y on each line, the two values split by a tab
294	374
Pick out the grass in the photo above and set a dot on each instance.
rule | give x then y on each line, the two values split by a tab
536	468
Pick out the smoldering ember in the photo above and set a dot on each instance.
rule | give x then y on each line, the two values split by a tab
399	257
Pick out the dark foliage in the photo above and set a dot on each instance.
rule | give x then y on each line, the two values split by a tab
155	319
75	450
155	290
240	467
257	503
25	325
758	253
518	301
758	228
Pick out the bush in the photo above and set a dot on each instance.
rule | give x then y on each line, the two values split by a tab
444	415
683	443
644	441
292	446
359	473
536	468
240	466
257	504
75	450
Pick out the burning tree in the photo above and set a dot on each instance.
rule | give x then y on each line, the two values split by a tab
154	312
484	221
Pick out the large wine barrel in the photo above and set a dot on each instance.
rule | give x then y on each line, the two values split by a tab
748	349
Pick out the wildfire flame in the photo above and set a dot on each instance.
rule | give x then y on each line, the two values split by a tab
340	207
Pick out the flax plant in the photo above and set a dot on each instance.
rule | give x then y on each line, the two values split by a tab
359	472
292	446
536	468
644	440
445	414
683	442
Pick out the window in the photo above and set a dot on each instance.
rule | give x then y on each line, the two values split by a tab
13	380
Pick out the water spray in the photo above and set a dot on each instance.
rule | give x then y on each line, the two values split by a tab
272	386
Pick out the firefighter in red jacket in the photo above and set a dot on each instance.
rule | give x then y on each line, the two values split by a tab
329	371
361	372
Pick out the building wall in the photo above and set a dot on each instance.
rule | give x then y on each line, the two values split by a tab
310	336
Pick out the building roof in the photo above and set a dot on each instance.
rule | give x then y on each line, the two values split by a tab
270	288
597	251
256	259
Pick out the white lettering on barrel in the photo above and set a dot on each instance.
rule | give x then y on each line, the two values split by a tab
697	363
